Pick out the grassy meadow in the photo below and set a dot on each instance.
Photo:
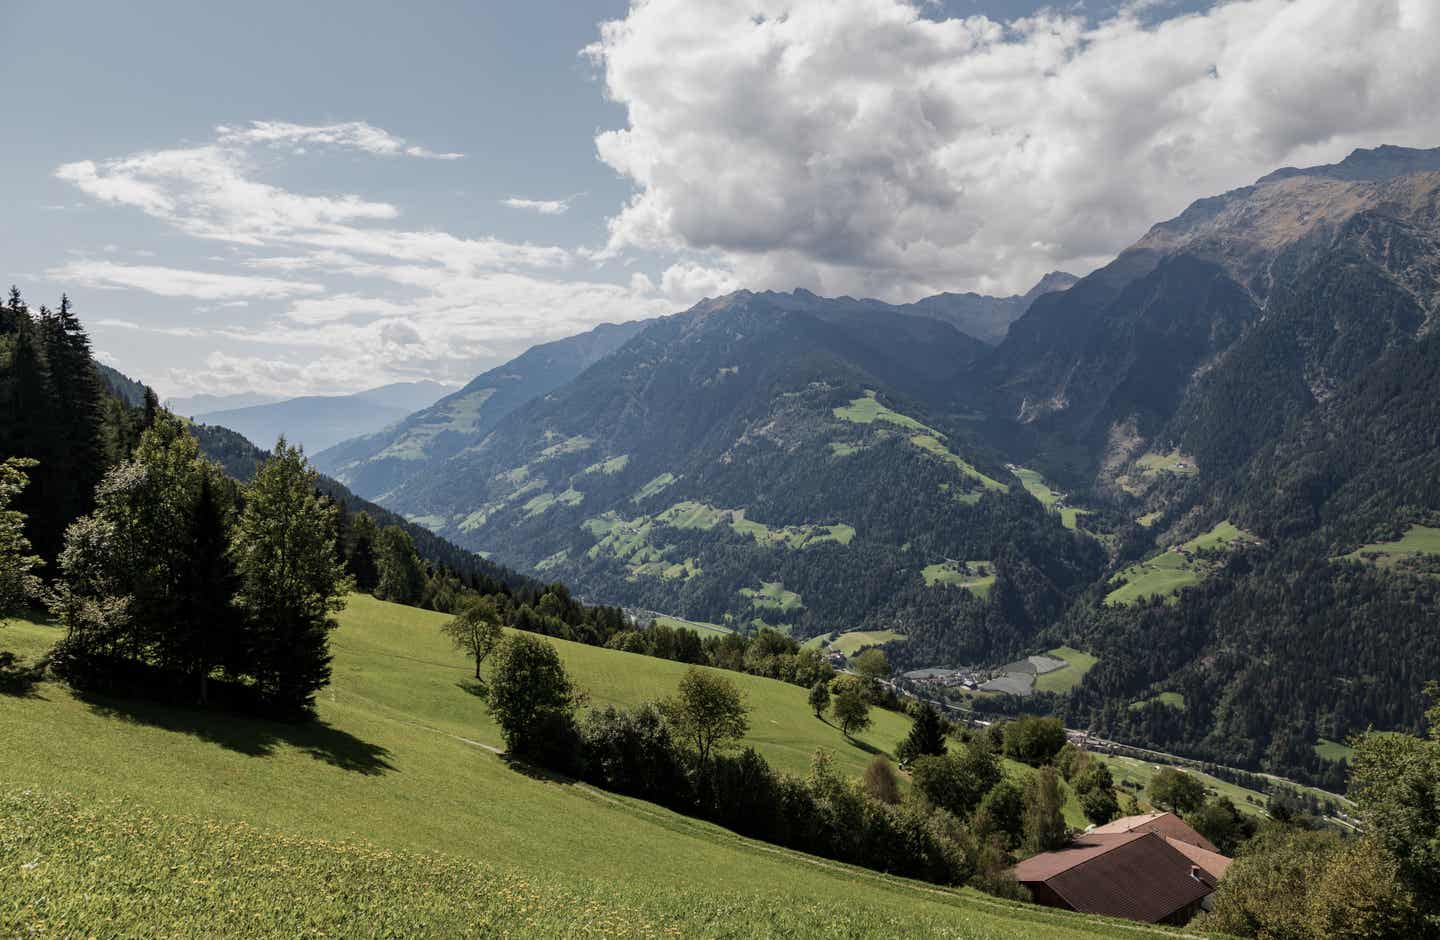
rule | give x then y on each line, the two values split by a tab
393	814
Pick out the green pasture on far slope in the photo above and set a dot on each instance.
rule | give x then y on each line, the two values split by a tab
132	818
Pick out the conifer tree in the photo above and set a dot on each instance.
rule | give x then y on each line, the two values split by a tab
76	396
18	583
360	559
206	624
27	430
927	735
291	582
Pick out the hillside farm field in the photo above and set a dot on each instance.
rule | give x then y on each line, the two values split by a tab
1165	574
392	814
1417	540
976	577
854	641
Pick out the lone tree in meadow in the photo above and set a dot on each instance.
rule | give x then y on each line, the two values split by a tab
851	710
708	712
820	697
18	583
476	630
291	580
529	690
927	735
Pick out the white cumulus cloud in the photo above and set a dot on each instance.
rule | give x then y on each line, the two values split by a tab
867	146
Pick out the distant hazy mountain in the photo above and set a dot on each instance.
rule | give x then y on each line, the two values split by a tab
191	405
376	463
319	421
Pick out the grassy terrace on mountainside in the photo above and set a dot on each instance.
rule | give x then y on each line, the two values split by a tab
853	641
1168	699
772	595
1065	679
978	579
868	410
1165	574
699	626
389	816
1417	540
1334	750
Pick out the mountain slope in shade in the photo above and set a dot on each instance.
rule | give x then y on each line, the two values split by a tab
767	458
378	462
320	421
1285	288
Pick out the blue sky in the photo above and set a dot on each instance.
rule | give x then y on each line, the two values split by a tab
322	197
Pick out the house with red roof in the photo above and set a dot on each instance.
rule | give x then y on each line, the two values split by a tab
1153	868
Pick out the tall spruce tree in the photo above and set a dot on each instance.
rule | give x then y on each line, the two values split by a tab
207	623
77	395
927	735
27	430
291	582
360	558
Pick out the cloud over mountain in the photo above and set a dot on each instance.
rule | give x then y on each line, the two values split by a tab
868	146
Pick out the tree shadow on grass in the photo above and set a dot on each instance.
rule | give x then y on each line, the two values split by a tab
476	688
865	746
253	737
19	679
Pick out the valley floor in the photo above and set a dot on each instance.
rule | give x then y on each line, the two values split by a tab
394	813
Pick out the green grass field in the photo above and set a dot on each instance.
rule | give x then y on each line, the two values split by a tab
1168	699
1063	680
854	641
1165	574
771	595
949	574
1130	769
391	815
1417	540
868	410
1334	750
699	626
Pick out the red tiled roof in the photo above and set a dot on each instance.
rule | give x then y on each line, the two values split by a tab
1136	875
1214	863
1166	824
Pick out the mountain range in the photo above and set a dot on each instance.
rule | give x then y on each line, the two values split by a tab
320	421
1183	462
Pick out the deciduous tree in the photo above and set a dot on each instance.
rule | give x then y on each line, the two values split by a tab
476	630
707	712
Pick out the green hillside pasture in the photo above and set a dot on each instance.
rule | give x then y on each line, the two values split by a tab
854	641
691	514
772	596
391	815
1334	750
1166	574
699	626
654	486
1070	517
609	467
868	410
1130	769
1036	486
932	444
978	579
1417	540
1169	699
1175	462
1063	680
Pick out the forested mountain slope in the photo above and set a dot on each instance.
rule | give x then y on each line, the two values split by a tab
1258	302
768	459
376	463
